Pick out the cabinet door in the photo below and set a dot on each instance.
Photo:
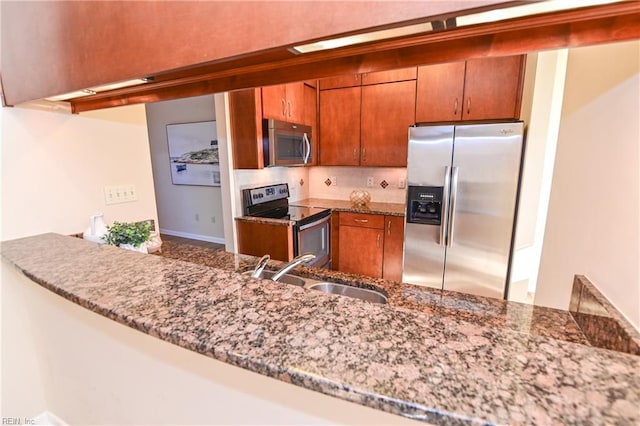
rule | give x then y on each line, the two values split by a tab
493	88
258	239
391	76
387	112
340	127
274	103
294	96
440	91
348	80
361	250
311	119
393	248
246	128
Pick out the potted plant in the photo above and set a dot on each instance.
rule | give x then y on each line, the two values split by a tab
129	235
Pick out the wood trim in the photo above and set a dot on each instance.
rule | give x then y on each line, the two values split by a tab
600	24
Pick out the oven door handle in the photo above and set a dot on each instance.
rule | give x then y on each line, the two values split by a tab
316	223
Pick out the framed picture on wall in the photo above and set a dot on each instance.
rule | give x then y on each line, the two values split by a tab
193	153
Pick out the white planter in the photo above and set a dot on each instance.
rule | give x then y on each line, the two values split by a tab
141	249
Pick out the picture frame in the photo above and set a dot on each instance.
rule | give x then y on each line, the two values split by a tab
193	153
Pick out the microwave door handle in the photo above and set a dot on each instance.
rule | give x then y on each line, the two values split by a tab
305	139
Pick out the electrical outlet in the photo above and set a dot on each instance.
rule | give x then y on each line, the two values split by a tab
334	180
370	182
197	217
213	219
402	183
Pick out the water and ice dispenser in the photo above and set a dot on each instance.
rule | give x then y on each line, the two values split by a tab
425	205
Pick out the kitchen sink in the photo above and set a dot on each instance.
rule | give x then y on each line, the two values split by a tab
350	291
368	295
286	278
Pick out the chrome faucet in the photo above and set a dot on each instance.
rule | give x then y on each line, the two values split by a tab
303	258
260	266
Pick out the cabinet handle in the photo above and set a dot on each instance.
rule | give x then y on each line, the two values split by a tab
468	105
378	240
355	154
284	108
289	108
455	107
364	154
389	228
361	220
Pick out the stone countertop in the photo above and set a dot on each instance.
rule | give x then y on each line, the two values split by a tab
390	209
428	355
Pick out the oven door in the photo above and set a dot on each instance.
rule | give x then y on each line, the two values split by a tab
315	238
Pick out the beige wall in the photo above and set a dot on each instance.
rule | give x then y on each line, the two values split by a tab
183	210
593	227
55	166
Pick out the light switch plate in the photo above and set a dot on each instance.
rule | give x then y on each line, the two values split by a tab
120	194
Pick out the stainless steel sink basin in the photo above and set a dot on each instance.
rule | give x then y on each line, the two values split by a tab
286	278
350	291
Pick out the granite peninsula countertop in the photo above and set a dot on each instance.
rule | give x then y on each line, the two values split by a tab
430	355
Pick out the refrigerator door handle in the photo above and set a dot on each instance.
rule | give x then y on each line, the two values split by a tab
445	207
452	205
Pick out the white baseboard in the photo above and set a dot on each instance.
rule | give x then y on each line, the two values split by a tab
199	237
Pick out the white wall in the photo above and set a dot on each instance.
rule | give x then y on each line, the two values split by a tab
593	227
87	369
183	210
55	166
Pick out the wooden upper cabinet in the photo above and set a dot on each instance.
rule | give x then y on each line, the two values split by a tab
493	88
340	127
387	112
310	96
389	76
284	102
440	91
478	89
246	128
347	80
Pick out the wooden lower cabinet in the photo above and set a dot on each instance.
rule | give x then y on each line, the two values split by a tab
258	239
393	248
371	245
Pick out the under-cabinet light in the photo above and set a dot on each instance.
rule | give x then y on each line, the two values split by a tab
98	89
334	43
533	8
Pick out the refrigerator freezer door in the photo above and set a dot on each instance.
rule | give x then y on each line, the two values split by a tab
487	160
428	164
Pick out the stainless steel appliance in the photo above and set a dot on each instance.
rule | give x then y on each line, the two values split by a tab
462	197
312	226
286	144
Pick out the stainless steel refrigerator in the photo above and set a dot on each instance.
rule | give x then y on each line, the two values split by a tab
462	198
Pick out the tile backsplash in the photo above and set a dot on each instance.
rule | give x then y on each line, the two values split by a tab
388	184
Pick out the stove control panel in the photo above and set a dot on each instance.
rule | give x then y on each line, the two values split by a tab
265	194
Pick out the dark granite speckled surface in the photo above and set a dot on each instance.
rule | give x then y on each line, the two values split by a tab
390	209
428	355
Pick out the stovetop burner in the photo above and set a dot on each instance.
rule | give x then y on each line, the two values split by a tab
272	201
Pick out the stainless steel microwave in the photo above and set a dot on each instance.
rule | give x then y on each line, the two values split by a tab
286	144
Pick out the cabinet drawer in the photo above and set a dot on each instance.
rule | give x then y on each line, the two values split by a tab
362	220
392	76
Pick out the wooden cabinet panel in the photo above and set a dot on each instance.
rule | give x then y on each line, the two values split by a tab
363	220
274	102
361	250
294	95
246	128
310	96
493	88
387	112
348	80
340	127
440	91
393	248
391	76
258	239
